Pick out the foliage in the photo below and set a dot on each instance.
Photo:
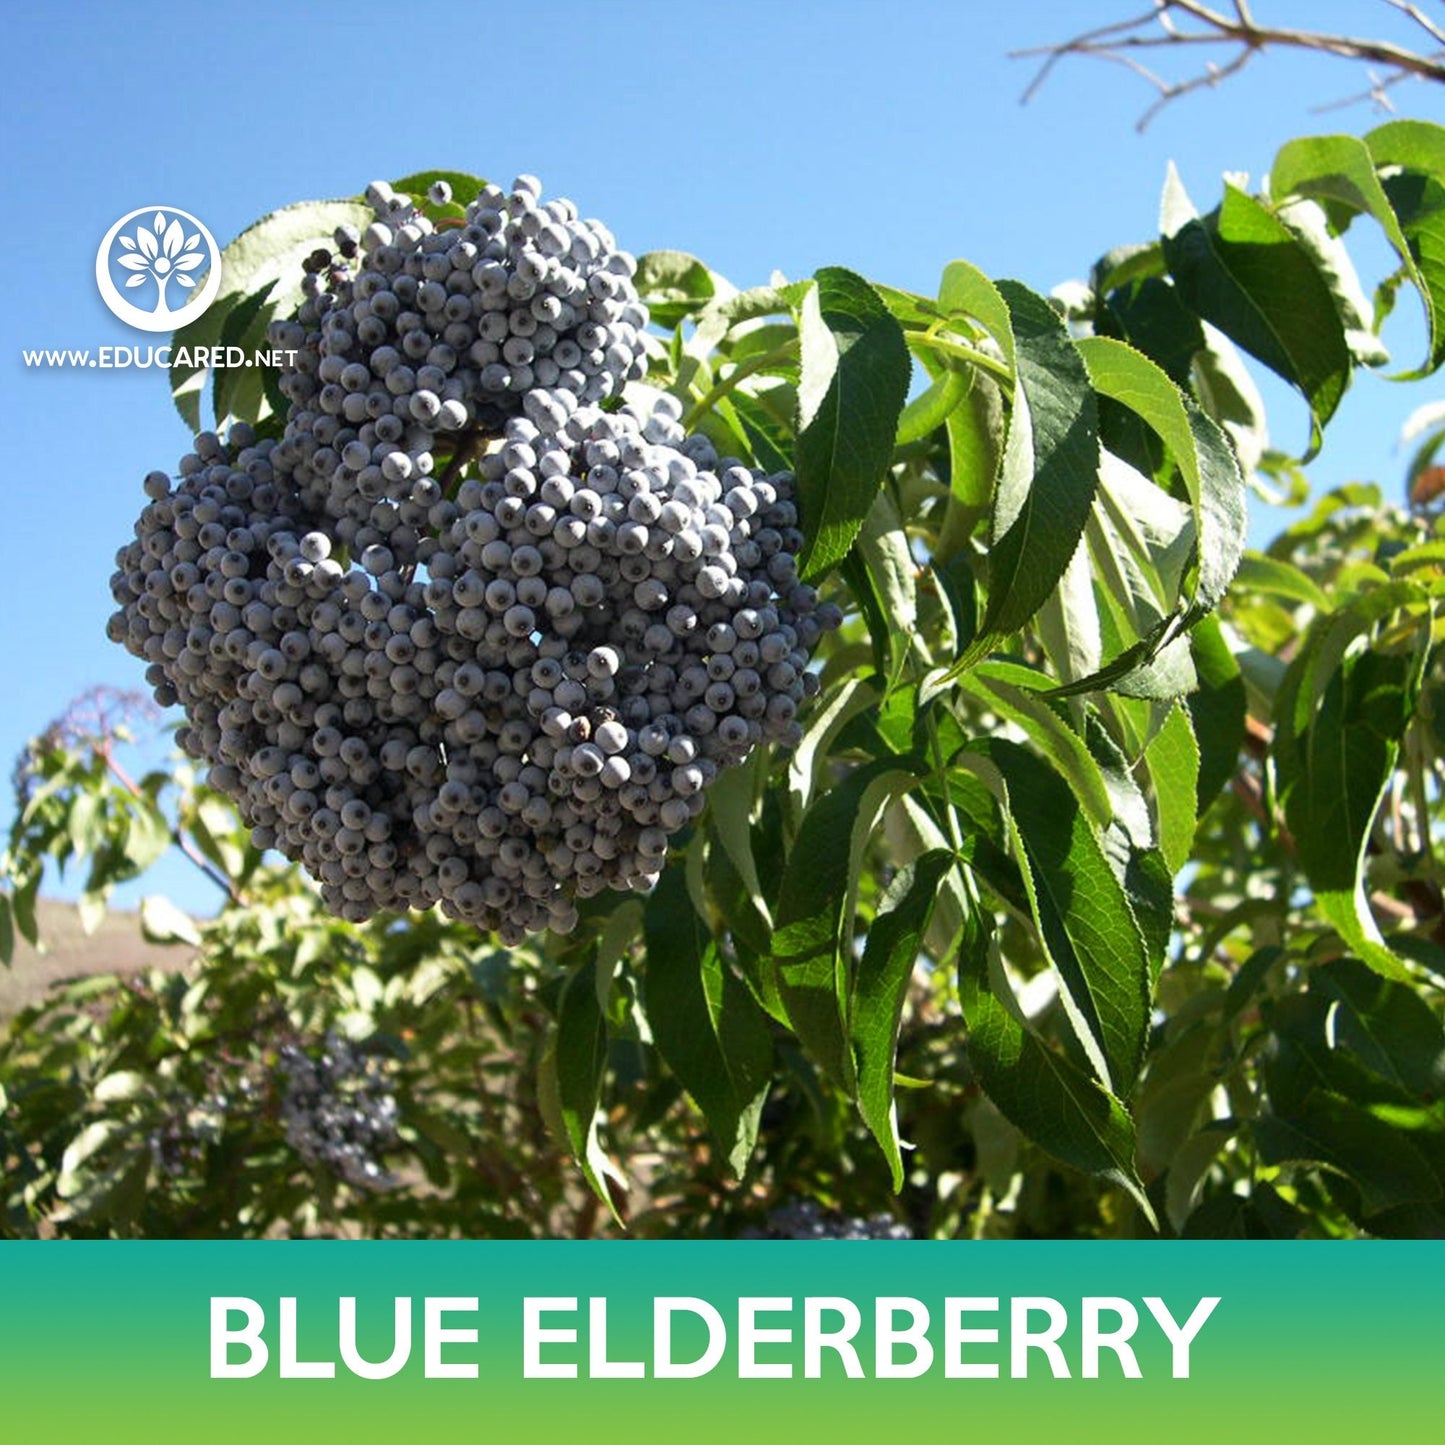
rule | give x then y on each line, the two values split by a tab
1100	896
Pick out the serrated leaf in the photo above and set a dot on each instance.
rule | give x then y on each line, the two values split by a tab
851	392
1172	758
1258	573
931	408
824	720
1211	474
1068	622
711	1034
1011	691
1243	270
1339	719
1309	223
1228	394
1328	1129
1050	469
882	547
237	391
1217	709
730	807
580	1058
964	290
1416	194
1057	1106
1086	926
812	940
884	971
1388	1025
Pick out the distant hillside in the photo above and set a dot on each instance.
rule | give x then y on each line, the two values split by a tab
115	947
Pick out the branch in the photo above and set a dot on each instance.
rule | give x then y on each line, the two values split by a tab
1161	28
188	849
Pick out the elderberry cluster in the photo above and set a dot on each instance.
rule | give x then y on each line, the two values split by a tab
807	1219
338	1110
499	689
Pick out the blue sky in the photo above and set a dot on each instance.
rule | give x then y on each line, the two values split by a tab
885	135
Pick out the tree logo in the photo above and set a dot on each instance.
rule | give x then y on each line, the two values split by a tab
153	254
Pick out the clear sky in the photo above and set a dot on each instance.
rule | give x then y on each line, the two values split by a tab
885	135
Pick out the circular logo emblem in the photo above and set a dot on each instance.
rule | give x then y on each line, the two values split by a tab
147	267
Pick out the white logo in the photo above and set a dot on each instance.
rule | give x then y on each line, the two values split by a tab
153	254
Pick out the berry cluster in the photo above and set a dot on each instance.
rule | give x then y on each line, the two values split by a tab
504	687
806	1219
179	1142
338	1111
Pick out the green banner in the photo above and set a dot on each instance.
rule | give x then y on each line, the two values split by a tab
160	1342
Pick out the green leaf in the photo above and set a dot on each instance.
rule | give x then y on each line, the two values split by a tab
1223	386
237	391
1050	469
465	188
270	251
1243	270
1064	1112
1258	573
1340	170
147	836
7	931
1388	1025
1339	719
825	719
22	906
1010	690
85	823
977	430
1328	1129
1200	450
730	807
123	1085
854	382
91	908
1216	708
930	409
965	291
1310	225
1172	758
80	1151
162	922
1416	194
812	940
883	548
1149	315
581	1057
704	1021
674	285
1086	926
882	985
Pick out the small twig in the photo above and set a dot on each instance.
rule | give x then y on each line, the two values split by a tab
1375	94
466	452
1158	29
1418	16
